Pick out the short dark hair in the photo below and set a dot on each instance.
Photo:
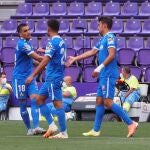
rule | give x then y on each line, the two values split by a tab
2	73
107	20
53	24
127	69
20	26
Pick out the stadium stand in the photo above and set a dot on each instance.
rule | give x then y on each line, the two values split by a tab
79	30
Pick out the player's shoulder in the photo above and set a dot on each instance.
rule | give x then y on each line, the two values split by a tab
110	35
133	77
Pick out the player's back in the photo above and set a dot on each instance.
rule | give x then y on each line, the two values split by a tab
23	62
56	50
106	42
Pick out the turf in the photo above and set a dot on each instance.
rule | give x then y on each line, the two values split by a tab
13	137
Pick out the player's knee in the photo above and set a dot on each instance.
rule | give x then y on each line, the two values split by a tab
57	104
126	106
108	103
39	101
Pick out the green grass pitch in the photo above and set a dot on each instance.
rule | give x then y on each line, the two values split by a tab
113	137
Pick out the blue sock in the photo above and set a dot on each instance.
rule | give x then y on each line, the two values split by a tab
99	117
35	113
52	109
46	113
121	113
61	119
25	115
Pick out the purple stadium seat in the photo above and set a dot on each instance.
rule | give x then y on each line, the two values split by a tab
24	9
133	26
64	26
146	26
78	23
73	72
87	74
125	56
58	9
82	89
121	42
30	23
71	52
117	26
94	9
69	42
93	27
144	9
78	44
95	41
148	43
112	9
8	70
1	45
76	9
41	26
136	71
43	42
135	43
130	9
9	26
8	55
147	75
34	42
143	57
11	41
41	9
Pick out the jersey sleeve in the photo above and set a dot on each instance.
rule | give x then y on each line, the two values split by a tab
97	46
111	42
50	49
27	48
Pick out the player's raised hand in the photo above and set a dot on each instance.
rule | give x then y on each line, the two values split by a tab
95	74
29	80
70	61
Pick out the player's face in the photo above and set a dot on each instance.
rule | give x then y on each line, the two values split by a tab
2	77
25	33
101	27
49	32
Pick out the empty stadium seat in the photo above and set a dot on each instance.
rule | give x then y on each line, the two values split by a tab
130	9
125	56
69	42
11	42
135	43
95	41
146	27
94	9
24	9
112	9
43	42
93	27
64	26
77	24
117	26
58	9
41	9
147	75
121	42
133	26
9	26
143	57
144	9
76	9
41	26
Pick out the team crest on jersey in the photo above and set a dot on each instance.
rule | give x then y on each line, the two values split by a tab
101	47
49	47
103	88
110	40
27	47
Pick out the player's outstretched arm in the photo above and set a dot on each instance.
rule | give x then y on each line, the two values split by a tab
36	56
106	62
87	54
40	67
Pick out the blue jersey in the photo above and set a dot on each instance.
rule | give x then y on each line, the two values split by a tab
106	42
56	50
23	62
